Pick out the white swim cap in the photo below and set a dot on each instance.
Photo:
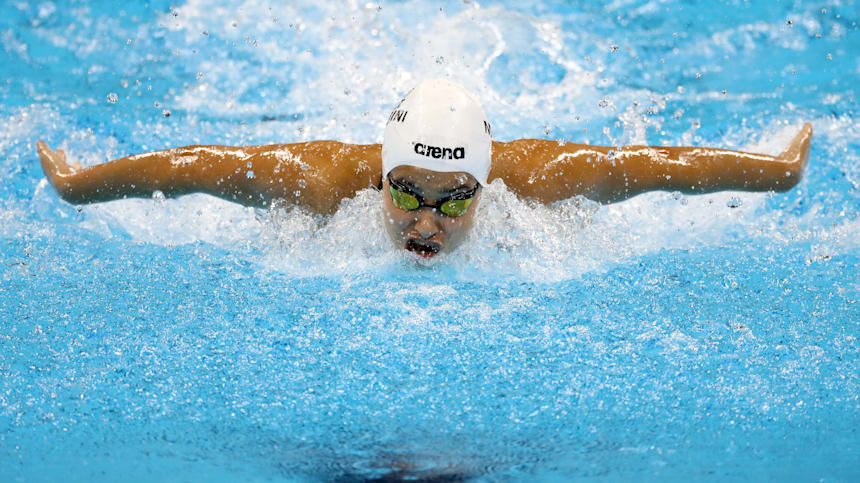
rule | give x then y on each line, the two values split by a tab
439	126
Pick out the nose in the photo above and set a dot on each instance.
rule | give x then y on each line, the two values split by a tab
426	224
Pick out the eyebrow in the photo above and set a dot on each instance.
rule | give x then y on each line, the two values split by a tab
460	190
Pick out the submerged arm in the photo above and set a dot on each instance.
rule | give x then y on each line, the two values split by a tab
550	171
316	174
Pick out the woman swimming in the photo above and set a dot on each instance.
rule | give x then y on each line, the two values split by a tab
436	155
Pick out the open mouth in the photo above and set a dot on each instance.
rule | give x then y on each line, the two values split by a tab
425	248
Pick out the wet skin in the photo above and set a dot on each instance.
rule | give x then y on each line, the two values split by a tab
427	231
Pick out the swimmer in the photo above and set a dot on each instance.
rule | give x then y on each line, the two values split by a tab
436	157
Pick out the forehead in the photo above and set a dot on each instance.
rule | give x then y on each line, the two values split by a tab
431	180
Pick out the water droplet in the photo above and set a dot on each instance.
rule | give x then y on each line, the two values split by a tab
613	48
453	108
788	174
165	113
123	83
158	196
789	23
249	174
440	59
234	24
112	98
603	103
734	202
723	92
200	76
206	33
829	56
698	75
302	183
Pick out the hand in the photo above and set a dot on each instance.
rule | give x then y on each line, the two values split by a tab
797	152
56	169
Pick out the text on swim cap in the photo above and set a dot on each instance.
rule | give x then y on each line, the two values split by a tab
397	115
440	153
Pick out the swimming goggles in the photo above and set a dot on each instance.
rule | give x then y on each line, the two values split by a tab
405	198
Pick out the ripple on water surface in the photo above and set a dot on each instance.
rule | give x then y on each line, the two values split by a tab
675	336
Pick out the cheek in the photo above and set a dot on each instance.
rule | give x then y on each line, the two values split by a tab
455	225
396	220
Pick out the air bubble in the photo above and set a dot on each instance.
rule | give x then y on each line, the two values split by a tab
200	76
613	48
158	196
165	113
734	202
112	98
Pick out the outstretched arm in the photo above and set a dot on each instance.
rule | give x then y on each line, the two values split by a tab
550	171
316	174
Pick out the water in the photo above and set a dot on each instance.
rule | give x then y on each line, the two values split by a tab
667	337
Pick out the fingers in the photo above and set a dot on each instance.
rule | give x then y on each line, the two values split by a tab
797	151
53	162
42	149
55	168
49	167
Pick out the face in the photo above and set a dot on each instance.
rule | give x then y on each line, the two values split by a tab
428	230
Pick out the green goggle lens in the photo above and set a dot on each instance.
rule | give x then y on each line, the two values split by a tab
408	202
455	207
404	201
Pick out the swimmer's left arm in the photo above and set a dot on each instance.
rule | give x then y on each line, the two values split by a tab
550	171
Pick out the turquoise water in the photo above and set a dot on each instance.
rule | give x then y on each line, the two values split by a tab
667	337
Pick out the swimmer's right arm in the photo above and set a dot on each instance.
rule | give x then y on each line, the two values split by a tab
316	175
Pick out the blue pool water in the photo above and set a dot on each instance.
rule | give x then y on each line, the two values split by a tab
667	337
